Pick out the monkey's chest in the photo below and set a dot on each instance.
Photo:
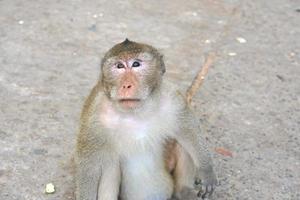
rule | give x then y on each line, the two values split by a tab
135	134
130	134
137	137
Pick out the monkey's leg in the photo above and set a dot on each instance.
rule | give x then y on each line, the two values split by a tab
188	177
183	172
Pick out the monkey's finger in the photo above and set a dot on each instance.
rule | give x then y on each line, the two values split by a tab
204	195
198	182
208	192
211	190
201	192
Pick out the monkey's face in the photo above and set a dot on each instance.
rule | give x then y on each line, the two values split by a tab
129	79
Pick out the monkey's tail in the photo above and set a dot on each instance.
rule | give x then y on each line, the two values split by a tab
199	78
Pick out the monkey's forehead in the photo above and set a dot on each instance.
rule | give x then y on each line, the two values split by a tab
129	48
130	52
125	56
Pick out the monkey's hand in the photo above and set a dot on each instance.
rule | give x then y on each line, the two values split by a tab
205	182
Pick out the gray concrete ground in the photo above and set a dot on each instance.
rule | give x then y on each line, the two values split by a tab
249	104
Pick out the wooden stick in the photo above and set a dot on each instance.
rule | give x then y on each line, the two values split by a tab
198	80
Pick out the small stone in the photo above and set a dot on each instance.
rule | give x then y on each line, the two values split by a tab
248	122
292	54
280	77
207	41
258	158
232	54
93	28
40	151
241	40
95	15
21	22
50	188
195	14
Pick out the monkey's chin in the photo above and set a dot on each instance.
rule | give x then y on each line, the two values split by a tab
129	103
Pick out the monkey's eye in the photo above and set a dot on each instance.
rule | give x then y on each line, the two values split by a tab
136	64
120	65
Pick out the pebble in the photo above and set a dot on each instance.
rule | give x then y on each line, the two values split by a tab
21	22
232	54
93	28
50	189
40	151
241	40
195	14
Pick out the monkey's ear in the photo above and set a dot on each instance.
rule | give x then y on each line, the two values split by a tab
162	64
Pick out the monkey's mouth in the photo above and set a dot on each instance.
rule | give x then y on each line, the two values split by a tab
129	103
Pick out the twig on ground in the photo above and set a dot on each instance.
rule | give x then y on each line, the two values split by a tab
198	80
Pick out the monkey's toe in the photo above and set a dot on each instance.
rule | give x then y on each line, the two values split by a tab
206	191
198	182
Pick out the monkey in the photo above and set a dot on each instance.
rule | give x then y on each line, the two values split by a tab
137	139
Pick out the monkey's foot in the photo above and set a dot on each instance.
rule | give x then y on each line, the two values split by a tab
205	182
205	190
186	193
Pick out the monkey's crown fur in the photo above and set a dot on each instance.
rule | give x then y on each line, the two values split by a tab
131	47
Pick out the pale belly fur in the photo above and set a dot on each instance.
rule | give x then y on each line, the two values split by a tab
144	177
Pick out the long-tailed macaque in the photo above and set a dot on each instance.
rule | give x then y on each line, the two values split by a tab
138	140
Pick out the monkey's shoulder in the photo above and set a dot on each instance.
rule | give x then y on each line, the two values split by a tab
91	104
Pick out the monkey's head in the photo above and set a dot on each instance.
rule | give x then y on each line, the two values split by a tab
131	73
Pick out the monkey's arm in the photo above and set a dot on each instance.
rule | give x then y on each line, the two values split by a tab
97	171
193	143
87	178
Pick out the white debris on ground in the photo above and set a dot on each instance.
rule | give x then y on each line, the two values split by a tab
50	188
241	40
232	54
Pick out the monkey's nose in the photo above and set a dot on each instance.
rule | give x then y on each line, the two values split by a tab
126	86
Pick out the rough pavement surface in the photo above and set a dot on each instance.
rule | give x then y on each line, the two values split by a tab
249	104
